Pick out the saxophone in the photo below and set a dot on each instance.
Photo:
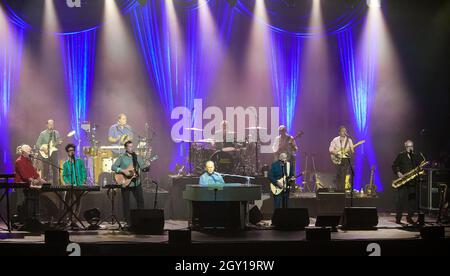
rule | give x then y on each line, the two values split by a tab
413	174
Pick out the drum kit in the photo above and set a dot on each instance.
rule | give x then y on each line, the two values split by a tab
229	157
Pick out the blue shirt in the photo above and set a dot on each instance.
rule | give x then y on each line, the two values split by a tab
116	131
211	179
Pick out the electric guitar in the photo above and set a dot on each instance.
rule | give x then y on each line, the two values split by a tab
282	183
47	150
343	153
126	176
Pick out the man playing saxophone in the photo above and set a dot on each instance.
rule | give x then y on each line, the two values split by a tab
405	162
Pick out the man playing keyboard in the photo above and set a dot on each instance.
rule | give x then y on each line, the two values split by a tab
210	177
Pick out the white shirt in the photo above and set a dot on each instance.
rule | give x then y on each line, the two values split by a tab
338	143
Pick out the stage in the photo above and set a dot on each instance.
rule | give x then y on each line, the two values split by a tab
258	240
188	116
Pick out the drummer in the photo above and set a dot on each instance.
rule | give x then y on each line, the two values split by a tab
210	177
119	133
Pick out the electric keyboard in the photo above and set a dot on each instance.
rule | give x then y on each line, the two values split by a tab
67	188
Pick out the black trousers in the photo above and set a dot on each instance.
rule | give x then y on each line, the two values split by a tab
342	170
405	197
138	194
281	200
70	198
54	171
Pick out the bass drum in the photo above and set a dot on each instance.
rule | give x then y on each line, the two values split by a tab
224	161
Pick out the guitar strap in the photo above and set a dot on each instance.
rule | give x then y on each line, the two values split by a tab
345	145
136	164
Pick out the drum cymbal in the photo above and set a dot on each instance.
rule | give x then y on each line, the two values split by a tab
209	140
227	132
230	149
195	129
256	128
182	141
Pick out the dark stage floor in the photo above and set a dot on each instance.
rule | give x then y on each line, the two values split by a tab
259	241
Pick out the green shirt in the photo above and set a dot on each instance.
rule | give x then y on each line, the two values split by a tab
46	136
74	174
124	162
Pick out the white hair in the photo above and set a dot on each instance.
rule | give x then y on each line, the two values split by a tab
24	149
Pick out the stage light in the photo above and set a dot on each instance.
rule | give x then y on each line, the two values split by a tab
374	3
232	3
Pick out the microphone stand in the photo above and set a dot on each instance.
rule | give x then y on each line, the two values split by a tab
239	176
352	172
284	199
155	202
420	215
72	184
46	162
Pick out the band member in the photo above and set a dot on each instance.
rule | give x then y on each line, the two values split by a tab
130	160
280	169
120	132
406	194
48	140
285	143
210	177
25	172
342	148
74	174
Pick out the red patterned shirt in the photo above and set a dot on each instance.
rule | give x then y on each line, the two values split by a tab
24	170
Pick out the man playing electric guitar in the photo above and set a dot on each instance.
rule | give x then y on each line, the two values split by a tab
280	175
341	150
47	144
130	166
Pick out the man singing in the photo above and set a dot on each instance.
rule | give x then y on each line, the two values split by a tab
130	160
280	169
74	174
25	172
210	177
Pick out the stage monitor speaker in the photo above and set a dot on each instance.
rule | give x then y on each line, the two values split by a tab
255	215
290	218
360	218
318	233
435	232
147	221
